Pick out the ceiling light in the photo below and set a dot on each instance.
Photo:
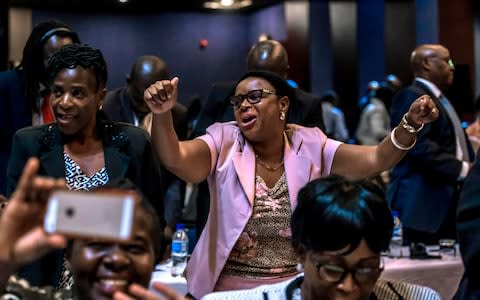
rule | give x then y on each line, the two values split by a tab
123	1
227	4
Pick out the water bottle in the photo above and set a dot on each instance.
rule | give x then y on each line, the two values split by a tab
396	242
179	251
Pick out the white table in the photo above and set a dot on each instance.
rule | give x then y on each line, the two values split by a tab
162	274
442	275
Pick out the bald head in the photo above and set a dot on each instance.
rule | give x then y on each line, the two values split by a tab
146	70
268	55
433	62
150	67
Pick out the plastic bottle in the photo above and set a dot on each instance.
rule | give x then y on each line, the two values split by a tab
396	242
179	251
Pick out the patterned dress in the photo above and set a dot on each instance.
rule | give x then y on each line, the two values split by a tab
77	180
264	249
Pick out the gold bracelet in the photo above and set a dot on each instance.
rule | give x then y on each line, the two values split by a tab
409	127
397	144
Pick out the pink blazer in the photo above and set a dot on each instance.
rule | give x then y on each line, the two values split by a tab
308	154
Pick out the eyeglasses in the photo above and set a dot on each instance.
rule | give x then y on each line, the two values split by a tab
252	97
448	60
335	273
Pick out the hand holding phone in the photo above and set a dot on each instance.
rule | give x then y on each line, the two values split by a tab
105	215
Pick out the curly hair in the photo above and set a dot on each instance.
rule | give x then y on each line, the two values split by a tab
74	55
31	67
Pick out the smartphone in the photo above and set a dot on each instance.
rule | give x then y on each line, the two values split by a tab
90	214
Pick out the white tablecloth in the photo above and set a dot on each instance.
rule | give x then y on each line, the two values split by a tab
162	274
442	275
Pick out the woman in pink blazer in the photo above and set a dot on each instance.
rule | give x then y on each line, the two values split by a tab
255	167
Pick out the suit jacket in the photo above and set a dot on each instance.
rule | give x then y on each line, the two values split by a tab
305	109
468	229
116	107
15	113
308	154
128	154
424	183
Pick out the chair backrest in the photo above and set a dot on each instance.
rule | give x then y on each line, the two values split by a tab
396	290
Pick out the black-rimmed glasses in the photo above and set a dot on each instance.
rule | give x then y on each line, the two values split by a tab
334	273
252	97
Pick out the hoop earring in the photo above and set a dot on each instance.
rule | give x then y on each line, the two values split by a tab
282	116
299	268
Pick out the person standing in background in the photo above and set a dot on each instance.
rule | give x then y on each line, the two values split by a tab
23	92
333	117
426	183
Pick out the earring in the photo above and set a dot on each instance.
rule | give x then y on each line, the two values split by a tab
282	116
299	268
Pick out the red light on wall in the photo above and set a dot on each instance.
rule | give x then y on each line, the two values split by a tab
203	43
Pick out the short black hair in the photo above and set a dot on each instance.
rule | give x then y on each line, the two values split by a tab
158	238
279	84
74	55
334	212
157	235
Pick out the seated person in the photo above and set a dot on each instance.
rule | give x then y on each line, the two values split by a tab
341	263
82	146
101	269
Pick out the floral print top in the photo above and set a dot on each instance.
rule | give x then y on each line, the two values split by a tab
264	248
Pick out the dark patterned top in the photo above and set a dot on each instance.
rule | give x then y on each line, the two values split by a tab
20	289
79	181
264	250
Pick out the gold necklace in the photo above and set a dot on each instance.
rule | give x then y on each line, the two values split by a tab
270	168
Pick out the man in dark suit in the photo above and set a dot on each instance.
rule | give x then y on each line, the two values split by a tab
468	230
126	103
425	185
305	109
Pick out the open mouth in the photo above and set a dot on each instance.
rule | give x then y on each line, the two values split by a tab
108	286
249	121
64	118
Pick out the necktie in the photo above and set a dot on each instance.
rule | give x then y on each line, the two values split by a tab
459	133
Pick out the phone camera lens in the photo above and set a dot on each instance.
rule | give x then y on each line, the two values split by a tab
70	212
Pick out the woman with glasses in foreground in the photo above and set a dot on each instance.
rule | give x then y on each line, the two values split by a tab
255	167
339	229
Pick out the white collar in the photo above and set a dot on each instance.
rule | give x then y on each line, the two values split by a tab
431	86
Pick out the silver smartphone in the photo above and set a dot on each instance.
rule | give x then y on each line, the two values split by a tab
90	214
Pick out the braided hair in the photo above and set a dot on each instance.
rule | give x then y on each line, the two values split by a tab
74	55
31	67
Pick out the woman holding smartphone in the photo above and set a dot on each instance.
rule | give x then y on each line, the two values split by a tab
81	146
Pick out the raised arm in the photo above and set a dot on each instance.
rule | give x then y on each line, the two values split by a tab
22	237
189	160
359	162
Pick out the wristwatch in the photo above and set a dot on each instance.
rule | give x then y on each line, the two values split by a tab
409	127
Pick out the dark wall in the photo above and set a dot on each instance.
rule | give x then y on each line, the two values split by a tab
175	38
399	38
3	35
343	18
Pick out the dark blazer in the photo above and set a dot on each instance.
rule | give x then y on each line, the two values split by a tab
128	154
305	109
15	113
116	106
423	185
468	231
